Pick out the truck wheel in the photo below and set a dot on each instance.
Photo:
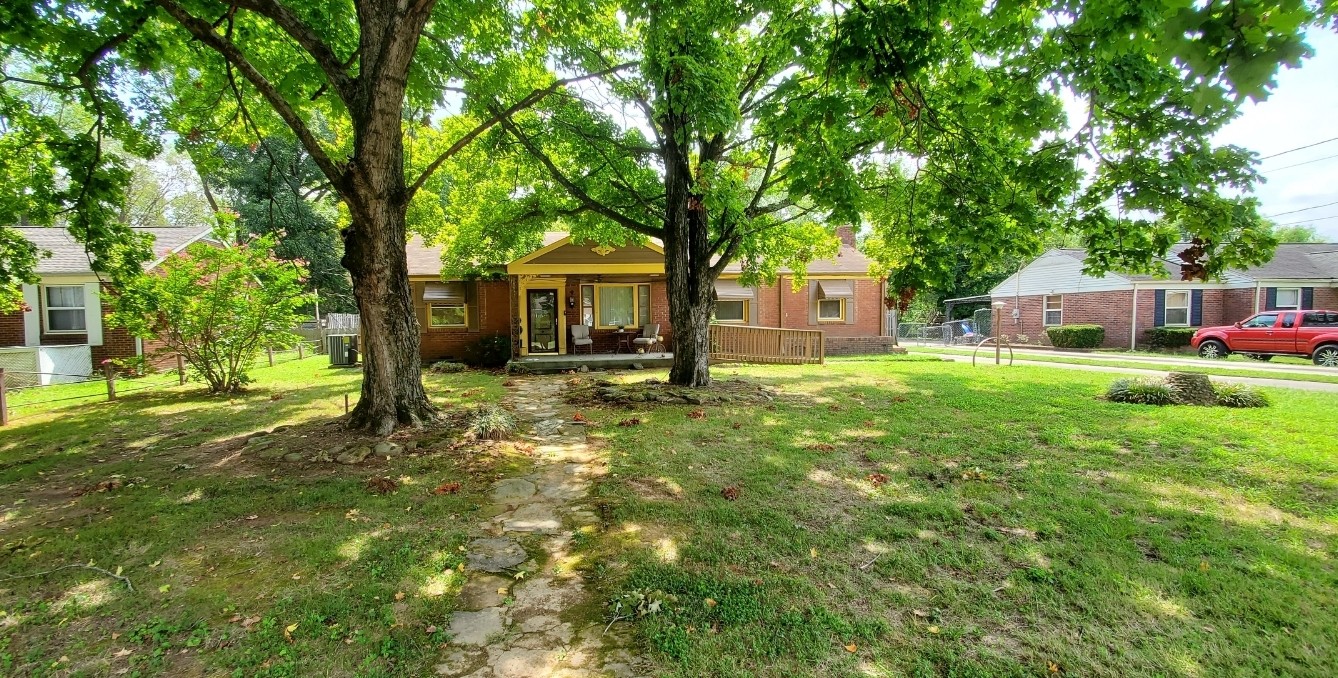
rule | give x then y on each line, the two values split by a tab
1213	349
1326	356
1259	356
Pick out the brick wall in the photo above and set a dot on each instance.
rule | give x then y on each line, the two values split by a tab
11	328
781	306
450	343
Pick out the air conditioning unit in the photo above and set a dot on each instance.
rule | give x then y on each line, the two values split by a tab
343	349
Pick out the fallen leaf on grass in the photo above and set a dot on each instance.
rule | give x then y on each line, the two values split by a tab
933	629
731	493
509	383
851	648
123	653
1203	566
697	414
381	485
399	595
822	447
813	553
578	417
632	421
249	622
710	602
501	590
446	488
431	629
877	479
252	517
869	423
898	399
164	588
736	425
1053	667
288	631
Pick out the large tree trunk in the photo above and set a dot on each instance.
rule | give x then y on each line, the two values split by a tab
377	197
687	267
392	383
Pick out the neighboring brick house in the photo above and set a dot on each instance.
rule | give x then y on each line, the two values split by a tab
1053	290
64	321
540	296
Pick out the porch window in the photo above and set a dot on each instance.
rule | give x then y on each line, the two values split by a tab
1177	308
731	310
65	308
622	305
831	309
1288	298
588	305
1054	310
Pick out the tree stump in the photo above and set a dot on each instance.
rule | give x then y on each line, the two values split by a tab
1192	388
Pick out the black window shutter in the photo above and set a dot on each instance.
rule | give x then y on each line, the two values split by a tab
1307	297
1196	308
1270	298
1159	308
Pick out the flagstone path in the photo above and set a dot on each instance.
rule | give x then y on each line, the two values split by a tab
537	632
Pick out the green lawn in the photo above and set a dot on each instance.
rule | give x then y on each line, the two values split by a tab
911	518
240	566
1112	359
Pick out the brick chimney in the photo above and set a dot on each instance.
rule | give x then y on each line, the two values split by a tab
846	234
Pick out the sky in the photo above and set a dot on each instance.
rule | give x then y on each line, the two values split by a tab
1302	110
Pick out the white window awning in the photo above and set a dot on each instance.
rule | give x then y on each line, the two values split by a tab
836	289
731	290
449	293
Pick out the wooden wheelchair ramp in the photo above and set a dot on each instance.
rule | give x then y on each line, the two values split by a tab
769	345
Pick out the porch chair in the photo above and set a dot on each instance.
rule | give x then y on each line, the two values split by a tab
580	336
649	337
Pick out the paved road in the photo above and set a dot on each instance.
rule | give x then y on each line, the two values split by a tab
1252	381
1152	359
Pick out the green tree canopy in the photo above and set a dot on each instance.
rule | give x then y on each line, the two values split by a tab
733	130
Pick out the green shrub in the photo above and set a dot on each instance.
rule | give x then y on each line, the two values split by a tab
1240	395
1140	392
490	422
490	352
446	367
1076	336
1168	337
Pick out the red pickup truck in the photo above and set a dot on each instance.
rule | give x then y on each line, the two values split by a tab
1312	334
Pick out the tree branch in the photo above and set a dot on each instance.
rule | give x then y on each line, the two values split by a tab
205	33
525	102
575	191
336	71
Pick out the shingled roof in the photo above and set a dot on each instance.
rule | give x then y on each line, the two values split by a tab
1291	261
69	257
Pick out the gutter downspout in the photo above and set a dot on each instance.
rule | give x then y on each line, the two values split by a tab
1256	295
1133	321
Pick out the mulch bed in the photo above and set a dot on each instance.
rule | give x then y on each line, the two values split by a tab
605	392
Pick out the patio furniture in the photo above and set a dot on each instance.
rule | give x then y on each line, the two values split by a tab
649	336
580	336
624	340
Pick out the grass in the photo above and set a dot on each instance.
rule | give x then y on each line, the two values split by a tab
1111	359
240	566
911	518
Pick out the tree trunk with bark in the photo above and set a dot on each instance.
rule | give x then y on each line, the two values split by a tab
687	263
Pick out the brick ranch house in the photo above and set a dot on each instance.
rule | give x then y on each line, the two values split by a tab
63	329
1053	290
538	297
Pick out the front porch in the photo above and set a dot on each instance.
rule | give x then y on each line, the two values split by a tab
550	363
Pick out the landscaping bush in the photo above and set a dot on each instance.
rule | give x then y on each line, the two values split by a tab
1168	337
1076	336
1240	395
447	367
1140	392
490	422
491	352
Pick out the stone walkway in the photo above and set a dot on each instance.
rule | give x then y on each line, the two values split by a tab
518	628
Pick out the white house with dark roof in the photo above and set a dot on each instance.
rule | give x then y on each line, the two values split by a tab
1053	290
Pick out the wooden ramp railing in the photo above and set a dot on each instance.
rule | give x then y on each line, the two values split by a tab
747	344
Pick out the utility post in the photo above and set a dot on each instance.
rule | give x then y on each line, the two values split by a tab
998	314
